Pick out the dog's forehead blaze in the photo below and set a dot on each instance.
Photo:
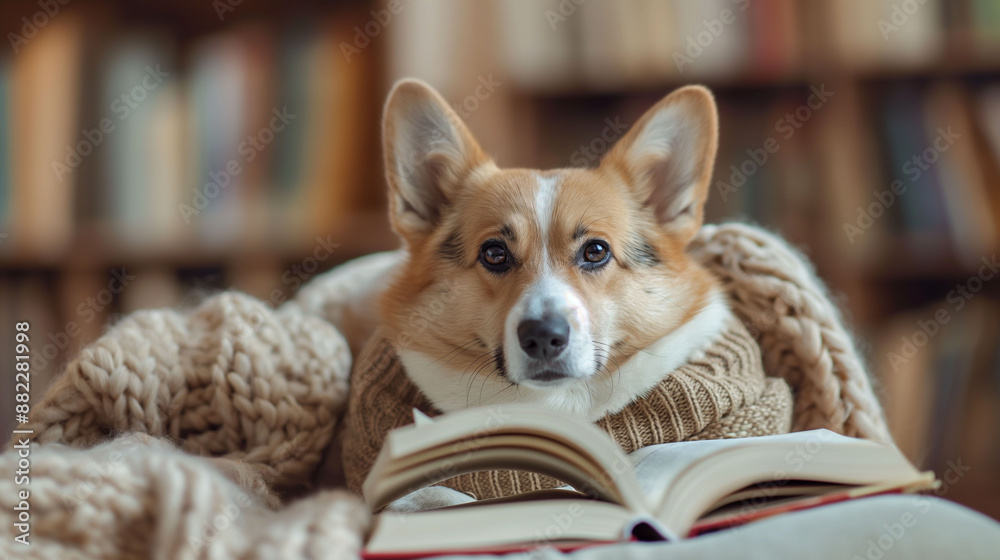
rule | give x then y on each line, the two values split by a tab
556	210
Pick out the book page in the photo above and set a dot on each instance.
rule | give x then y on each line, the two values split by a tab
657	466
521	433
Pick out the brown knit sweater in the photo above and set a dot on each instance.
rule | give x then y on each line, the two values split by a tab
722	394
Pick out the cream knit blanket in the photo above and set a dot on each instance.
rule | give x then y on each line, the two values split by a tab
721	392
229	407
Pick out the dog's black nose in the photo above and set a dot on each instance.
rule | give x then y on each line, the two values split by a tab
545	339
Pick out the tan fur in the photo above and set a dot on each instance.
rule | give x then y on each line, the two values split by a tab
453	310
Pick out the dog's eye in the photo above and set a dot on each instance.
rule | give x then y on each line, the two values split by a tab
595	252
595	255
494	256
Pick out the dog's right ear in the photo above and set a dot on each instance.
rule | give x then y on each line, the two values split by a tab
428	151
669	155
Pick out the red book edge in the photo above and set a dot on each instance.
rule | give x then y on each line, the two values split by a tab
712	524
567	547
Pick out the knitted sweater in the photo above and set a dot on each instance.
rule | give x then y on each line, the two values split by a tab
721	393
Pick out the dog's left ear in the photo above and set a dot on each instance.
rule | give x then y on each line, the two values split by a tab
668	156
428	150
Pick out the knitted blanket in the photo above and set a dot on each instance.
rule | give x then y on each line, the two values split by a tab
721	392
183	434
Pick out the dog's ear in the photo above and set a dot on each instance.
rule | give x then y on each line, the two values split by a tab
427	151
668	156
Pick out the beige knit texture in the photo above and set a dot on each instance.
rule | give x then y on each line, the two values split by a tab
258	391
776	293
137	497
231	404
231	379
721	391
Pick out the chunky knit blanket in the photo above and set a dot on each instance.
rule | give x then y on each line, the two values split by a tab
186	434
721	392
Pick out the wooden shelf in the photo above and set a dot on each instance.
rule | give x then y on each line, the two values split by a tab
907	257
357	234
952	66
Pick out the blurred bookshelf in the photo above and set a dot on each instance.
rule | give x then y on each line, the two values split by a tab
838	95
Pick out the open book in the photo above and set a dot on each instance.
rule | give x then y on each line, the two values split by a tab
667	491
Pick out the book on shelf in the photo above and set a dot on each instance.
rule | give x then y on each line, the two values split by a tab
907	136
906	379
45	142
671	491
962	176
607	46
776	42
6	207
985	108
136	152
8	373
151	140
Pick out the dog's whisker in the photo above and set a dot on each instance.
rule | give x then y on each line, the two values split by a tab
637	350
471	372
472	375
665	298
483	385
472	364
457	349
605	352
509	385
472	379
611	376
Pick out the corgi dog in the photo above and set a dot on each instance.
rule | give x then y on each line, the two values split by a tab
548	283
567	288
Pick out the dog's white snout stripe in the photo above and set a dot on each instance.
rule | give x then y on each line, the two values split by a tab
552	297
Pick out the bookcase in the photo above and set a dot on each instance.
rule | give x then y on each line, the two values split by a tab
867	132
